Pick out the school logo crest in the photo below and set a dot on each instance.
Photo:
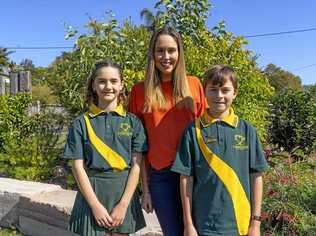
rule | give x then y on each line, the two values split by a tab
125	129
240	143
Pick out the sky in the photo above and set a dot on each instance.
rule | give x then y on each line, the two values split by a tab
42	23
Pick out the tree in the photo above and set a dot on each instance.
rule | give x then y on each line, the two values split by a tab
281	79
293	121
311	89
128	45
4	59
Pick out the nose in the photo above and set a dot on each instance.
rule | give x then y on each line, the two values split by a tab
166	54
107	85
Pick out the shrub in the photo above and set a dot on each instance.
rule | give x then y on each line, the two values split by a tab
29	144
289	206
293	121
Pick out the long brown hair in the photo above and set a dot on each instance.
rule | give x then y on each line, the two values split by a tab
91	95
153	93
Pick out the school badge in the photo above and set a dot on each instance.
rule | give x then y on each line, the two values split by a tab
240	143
124	129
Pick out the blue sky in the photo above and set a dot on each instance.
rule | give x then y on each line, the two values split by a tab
41	23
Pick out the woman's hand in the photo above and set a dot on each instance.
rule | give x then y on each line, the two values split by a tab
146	202
118	214
101	215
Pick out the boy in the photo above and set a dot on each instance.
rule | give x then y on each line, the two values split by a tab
220	160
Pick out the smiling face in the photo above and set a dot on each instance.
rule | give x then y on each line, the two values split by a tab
220	98
166	56
107	85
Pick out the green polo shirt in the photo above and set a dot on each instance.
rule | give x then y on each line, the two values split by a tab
120	130
235	142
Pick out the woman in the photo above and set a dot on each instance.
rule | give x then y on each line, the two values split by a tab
165	102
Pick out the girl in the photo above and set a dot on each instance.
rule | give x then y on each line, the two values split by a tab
165	102
106	144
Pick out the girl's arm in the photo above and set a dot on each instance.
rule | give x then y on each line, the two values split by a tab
186	185
100	214
119	211
146	198
256	192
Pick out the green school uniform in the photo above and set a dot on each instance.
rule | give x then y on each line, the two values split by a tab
220	155
105	141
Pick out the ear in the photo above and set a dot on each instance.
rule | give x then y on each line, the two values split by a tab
235	93
122	86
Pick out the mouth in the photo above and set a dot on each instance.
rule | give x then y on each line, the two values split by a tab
166	64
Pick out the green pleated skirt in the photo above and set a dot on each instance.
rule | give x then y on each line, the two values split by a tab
109	188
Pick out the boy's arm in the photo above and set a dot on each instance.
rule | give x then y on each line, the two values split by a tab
186	185
99	212
119	211
256	192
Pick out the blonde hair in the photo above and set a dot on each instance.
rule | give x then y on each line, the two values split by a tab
153	93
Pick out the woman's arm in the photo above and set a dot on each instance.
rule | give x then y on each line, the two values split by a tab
186	186
99	212
119	211
256	192
146	197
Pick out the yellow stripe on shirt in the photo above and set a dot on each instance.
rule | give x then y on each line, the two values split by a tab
230	180
115	160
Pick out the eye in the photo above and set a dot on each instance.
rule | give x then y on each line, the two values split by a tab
172	50
114	81
159	50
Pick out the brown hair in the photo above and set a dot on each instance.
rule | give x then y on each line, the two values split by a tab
218	75
153	93
91	95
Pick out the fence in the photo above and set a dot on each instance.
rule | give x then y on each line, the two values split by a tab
19	82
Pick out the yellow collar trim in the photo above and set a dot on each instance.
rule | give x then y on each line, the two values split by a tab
95	111
231	119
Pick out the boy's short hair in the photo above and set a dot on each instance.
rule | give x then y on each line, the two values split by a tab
218	75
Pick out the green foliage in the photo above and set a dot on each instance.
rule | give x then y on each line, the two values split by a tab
128	45
222	47
28	144
311	89
187	16
289	206
293	121
43	93
281	79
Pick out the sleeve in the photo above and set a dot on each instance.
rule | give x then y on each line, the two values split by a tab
133	105
139	139
74	144
183	163
258	161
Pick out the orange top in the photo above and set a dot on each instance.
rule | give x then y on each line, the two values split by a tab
165	127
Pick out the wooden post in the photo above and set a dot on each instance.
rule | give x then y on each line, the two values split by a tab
2	85
25	84
14	83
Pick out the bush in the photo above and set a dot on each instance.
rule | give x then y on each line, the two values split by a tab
29	144
293	121
289	206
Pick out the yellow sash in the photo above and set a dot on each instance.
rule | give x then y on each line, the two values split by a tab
115	160
230	180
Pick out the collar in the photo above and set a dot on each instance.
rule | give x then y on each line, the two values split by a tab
231	119
95	111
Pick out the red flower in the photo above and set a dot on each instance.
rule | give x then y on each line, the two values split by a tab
287	217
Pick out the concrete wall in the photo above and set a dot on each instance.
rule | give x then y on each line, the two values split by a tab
43	209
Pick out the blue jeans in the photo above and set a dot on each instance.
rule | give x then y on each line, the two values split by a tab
164	187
